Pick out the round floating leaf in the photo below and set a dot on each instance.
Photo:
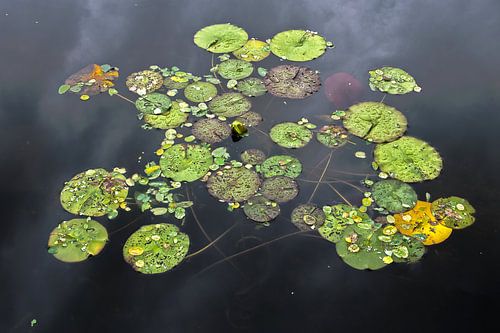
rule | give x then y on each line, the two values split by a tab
332	136
230	105
375	122
186	162
339	217
280	189
392	80
281	165
75	240
401	248
420	221
171	119
408	159
235	69
156	248
173	82
251	87
298	45
250	118
253	50
233	185
253	156
199	92
90	80
221	38
292	81
94	192
308	217
260	209
144	82
153	103
394	195
290	135
211	130
454	212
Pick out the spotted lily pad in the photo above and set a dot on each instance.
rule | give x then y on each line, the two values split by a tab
144	82
281	165
251	87
394	195
211	130
235	69
91	80
338	218
153	103
230	105
236	184
298	45
170	119
221	38
250	118
401	248
454	212
77	239
290	135
332	136
375	122
308	217
392	80
253	50
260	209
156	248
186	162
172	82
292	81
280	188
253	156
94	192
199	92
408	159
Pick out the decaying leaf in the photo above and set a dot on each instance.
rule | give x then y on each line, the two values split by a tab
292	81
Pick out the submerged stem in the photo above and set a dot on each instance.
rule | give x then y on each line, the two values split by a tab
211	243
321	177
124	98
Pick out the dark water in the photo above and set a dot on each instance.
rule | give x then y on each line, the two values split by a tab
293	285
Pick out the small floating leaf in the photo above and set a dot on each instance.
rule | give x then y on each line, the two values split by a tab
153	103
253	50
236	184
280	188
290	135
454	212
200	91
332	136
394	195
144	82
63	88
253	156
308	217
230	105
251	87
211	130
235	69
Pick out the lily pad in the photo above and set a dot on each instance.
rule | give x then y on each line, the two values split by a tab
253	156
153	103
235	69
280	188
408	159
199	92
156	248
186	162
298	45
401	248
338	218
292	81
171	119
91	80
221	38
144	82
394	195
260	209
230	105
250	118
454	212
94	192
251	87
332	136
253	50
236	184
375	122
172	83
77	239
392	80
308	217
281	165
211	130
290	135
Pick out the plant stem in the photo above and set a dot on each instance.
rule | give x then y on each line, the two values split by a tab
124	98
339	194
211	243
321	177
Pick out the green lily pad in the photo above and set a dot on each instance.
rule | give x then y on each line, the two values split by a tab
338	218
253	50
454	212
280	188
298	45
171	119
153	103
94	192
156	248
408	159
211	130
199	92
251	87
250	118
144	82
290	135
186	162
394	195
230	105
332	136
401	248
77	239
260	209
375	122
392	80
235	69
281	165
292	81
233	185
253	156
221	38
171	83
308	217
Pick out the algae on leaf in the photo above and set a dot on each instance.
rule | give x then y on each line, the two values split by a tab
235	69
186	162
250	118
392	80
221	38
260	209
253	156
230	105
290	135
308	217
211	130
454	212
332	136
199	92
339	217
153	103
298	45
281	165
292	81
280	188
233	185
168	120
394	195
144	82
251	87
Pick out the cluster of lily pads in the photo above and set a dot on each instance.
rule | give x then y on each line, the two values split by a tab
390	224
